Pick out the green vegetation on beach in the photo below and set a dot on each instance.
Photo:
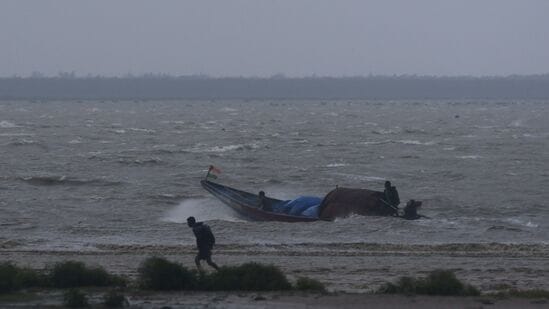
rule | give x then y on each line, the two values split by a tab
438	282
76	274
157	273
74	298
160	274
308	284
14	278
66	274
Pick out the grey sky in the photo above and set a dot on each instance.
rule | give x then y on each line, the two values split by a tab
261	38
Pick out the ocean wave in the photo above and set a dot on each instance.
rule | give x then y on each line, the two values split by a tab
162	151
140	161
525	223
503	228
415	142
167	197
173	122
23	142
337	164
118	131
228	109
385	131
4	124
9	244
220	149
470	157
206	209
226	148
404	142
415	131
376	142
485	127
17	134
362	177
142	130
516	123
63	180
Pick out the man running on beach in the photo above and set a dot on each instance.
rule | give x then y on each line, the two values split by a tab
204	242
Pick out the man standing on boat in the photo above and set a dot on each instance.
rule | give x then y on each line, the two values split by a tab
391	198
204	242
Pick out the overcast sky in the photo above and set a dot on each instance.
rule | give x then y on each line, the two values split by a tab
262	38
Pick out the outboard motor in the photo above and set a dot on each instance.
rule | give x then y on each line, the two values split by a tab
410	210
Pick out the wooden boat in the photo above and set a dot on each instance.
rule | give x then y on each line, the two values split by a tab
246	204
338	203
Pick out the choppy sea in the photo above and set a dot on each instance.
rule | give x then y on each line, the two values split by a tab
82	175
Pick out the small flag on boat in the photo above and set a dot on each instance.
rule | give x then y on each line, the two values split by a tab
211	171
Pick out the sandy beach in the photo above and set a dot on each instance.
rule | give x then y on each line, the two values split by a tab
349	268
288	300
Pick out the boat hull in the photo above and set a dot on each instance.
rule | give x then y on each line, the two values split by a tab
246	204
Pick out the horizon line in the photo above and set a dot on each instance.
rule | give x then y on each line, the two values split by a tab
74	75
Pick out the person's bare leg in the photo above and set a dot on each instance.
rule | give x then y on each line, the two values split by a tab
197	262
211	263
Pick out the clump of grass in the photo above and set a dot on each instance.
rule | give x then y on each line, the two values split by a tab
438	282
157	273
75	298
247	277
308	284
14	278
114	299
70	274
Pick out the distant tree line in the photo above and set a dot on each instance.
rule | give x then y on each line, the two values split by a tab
160	86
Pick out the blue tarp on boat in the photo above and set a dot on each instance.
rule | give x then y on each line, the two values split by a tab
301	206
312	211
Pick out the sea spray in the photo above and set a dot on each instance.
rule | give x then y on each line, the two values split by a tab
203	209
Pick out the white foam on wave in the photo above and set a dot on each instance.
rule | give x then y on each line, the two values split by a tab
25	141
172	122
516	123
469	157
414	142
17	134
362	177
336	164
118	131
522	222
7	125
142	130
375	143
224	148
386	131
203	209
228	109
